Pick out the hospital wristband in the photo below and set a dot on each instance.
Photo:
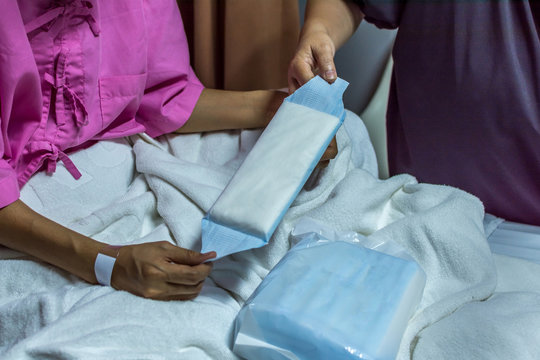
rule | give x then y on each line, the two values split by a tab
104	265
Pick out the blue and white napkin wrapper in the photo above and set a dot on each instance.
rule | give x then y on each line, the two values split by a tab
254	202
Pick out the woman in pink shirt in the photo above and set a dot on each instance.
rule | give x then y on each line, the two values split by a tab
75	72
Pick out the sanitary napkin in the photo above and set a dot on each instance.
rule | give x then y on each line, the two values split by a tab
331	298
260	192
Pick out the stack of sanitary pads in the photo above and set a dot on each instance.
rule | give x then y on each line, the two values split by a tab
330	299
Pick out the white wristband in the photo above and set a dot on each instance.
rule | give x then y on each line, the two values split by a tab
103	267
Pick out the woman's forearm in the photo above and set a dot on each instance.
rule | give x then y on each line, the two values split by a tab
338	18
24	230
157	270
227	110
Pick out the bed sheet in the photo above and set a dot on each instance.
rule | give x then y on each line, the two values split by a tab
516	240
159	190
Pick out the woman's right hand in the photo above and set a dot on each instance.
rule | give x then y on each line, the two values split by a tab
327	25
161	271
314	56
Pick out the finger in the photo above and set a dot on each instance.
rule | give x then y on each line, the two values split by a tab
188	257
293	85
186	275
324	56
331	151
304	73
182	292
300	72
179	297
323	164
173	292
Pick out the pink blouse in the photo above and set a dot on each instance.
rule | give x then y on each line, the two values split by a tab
73	72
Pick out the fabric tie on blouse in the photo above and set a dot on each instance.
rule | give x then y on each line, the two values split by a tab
67	102
58	154
73	10
74	104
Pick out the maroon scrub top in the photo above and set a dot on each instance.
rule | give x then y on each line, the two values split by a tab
464	106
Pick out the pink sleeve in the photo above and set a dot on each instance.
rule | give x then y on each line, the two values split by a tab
9	189
20	98
172	88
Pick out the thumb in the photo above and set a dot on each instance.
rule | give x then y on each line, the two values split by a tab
189	257
325	62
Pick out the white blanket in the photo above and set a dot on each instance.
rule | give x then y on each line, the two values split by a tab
46	313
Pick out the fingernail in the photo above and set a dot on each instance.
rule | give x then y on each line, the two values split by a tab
211	254
329	75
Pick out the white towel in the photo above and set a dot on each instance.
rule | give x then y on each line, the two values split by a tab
47	313
442	227
505	326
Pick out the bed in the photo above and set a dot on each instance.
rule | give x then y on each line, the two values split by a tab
476	304
482	296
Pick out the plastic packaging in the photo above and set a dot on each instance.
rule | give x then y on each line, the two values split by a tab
250	208
331	297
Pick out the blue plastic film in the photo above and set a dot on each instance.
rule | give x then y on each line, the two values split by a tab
330	300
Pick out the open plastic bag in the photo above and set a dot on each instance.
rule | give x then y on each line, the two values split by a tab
331	297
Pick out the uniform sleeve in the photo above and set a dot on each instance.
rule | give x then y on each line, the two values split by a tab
385	14
9	189
19	98
172	88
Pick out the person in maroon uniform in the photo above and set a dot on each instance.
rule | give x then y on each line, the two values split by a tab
464	106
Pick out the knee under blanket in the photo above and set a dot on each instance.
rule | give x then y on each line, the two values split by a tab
159	190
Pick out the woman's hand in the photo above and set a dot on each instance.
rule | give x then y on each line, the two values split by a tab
314	56
161	271
328	24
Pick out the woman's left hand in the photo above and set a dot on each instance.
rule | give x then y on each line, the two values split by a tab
161	271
